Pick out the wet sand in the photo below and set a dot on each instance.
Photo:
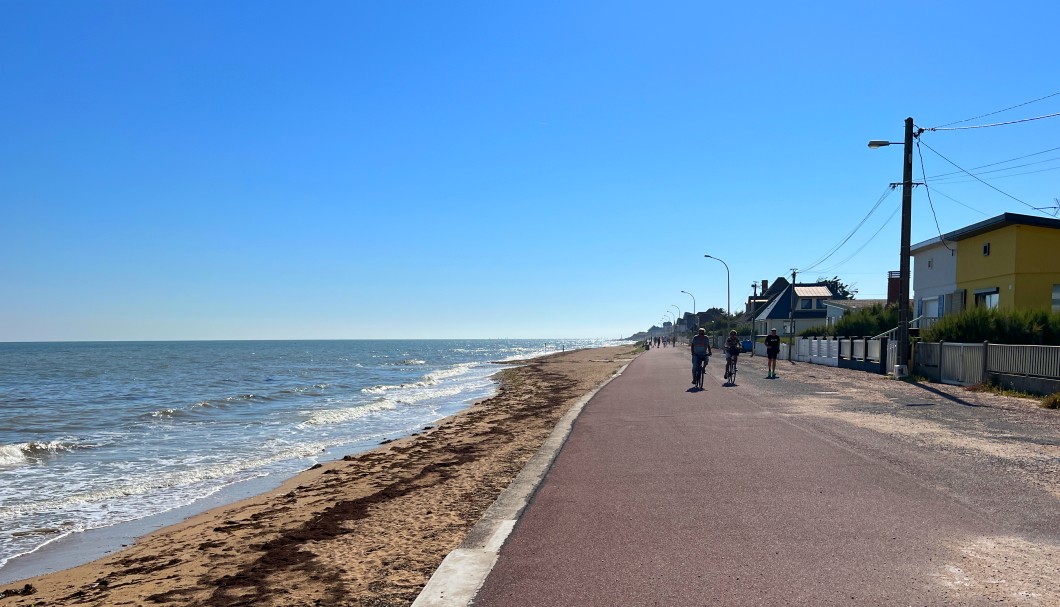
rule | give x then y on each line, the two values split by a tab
367	530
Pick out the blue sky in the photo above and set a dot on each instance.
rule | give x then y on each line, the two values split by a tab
294	170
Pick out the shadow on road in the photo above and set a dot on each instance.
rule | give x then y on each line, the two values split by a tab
948	397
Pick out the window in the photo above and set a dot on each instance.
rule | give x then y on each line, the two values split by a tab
1056	298
806	304
929	307
986	249
986	298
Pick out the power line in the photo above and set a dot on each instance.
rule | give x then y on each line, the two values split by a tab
836	266
931	204
1039	209
983	166
944	195
983	126
997	112
954	179
833	250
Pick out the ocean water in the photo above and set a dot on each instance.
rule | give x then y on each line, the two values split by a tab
98	434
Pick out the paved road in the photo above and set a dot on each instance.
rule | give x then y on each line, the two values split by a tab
664	495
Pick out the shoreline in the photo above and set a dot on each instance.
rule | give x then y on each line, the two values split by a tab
370	527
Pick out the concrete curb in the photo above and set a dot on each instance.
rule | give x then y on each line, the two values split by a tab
463	571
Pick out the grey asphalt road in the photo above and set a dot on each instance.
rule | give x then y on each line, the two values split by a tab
664	495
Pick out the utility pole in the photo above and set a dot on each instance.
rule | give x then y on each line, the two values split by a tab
791	316
903	281
754	304
902	363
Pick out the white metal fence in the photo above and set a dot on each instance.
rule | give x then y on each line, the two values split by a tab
829	351
968	364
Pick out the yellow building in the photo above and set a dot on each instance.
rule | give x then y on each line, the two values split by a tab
1009	261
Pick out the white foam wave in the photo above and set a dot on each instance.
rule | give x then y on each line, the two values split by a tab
13	455
407	362
154	492
431	379
416	396
347	414
454	371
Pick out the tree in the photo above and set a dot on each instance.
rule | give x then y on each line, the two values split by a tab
841	290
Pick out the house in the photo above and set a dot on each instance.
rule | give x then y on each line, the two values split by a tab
837	308
1007	261
808	300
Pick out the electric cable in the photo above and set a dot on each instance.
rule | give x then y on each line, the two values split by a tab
984	126
999	111
834	249
983	166
954	180
1040	210
945	195
931	204
838	265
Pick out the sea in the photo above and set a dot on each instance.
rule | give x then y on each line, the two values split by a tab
97	434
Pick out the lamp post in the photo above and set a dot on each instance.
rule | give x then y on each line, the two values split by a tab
693	303
728	291
674	331
907	211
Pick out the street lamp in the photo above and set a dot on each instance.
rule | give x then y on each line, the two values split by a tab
673	331
728	291
693	302
907	211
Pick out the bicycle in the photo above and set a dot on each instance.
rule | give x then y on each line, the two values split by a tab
699	372
730	369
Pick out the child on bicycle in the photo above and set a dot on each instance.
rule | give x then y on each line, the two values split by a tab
701	351
732	351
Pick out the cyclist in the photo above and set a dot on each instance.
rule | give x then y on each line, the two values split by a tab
701	351
732	351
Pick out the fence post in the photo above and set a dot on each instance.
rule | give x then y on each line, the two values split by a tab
883	356
941	348
986	356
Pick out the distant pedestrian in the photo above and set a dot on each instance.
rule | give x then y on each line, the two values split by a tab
772	342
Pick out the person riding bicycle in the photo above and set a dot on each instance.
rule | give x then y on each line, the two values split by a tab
732	351
701	351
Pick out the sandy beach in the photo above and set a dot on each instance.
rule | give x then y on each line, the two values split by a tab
367	530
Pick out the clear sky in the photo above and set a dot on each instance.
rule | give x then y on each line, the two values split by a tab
295	170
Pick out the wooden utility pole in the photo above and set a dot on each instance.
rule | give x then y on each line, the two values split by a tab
791	316
903	281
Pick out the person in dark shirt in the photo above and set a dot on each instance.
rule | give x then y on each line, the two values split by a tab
772	342
732	351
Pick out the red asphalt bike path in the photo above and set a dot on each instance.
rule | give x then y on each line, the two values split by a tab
664	495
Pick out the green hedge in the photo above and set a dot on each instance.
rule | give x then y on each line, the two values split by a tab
865	322
1035	327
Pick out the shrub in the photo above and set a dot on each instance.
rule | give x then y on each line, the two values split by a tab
865	322
1036	327
1052	401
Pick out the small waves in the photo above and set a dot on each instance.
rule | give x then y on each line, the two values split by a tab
24	453
347	414
408	362
431	379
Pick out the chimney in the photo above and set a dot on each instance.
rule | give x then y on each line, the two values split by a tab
765	286
894	286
